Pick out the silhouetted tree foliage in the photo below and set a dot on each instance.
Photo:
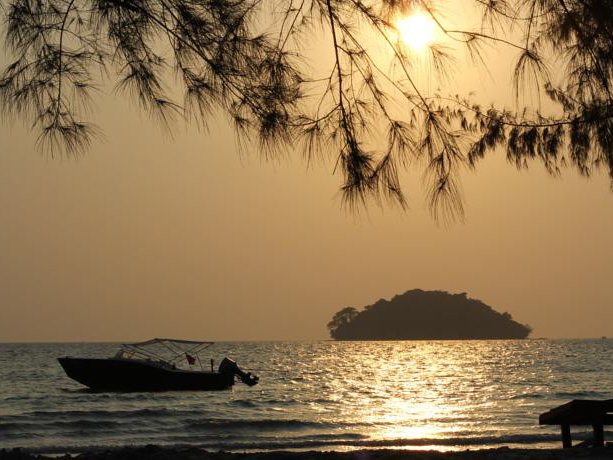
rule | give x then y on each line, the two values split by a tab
341	318
419	315
227	59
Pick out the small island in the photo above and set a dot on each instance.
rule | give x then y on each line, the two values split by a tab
426	315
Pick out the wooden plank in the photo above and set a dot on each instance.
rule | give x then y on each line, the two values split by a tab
584	419
579	412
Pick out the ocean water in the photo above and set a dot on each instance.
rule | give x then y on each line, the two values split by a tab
314	395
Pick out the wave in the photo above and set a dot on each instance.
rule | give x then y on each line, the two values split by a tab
11	426
332	441
528	396
213	440
51	414
458	442
267	424
85	424
58	425
578	394
243	403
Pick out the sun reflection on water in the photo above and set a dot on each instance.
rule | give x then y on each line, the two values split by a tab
429	391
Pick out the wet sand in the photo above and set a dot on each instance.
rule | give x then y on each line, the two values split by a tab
193	453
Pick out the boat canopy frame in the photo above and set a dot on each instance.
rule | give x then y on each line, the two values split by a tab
180	350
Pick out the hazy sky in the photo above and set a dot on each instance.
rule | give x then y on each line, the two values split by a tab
148	236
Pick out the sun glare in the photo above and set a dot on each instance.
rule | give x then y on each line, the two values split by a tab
416	30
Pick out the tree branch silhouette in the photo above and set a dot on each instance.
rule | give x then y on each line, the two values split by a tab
232	58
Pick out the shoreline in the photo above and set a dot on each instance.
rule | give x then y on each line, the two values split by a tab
153	452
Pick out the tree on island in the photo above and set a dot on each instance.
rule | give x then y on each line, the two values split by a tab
227	59
342	318
421	315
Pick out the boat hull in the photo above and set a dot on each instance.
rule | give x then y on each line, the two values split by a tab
113	374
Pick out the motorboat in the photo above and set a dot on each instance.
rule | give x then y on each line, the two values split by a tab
156	365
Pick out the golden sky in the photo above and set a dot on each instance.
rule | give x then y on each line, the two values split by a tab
149	236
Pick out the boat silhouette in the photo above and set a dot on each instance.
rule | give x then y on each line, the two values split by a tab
140	367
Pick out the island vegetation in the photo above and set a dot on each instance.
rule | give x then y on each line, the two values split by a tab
419	314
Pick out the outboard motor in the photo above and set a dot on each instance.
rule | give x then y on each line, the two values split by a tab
227	366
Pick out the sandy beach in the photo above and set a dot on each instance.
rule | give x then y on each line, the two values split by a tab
192	453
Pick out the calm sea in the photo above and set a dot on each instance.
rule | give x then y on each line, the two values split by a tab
314	395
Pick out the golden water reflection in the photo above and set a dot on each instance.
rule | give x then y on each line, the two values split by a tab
430	390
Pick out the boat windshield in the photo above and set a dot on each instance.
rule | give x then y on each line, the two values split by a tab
173	353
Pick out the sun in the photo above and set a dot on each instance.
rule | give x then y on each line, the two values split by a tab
416	30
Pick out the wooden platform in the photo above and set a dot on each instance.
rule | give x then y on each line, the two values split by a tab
580	412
